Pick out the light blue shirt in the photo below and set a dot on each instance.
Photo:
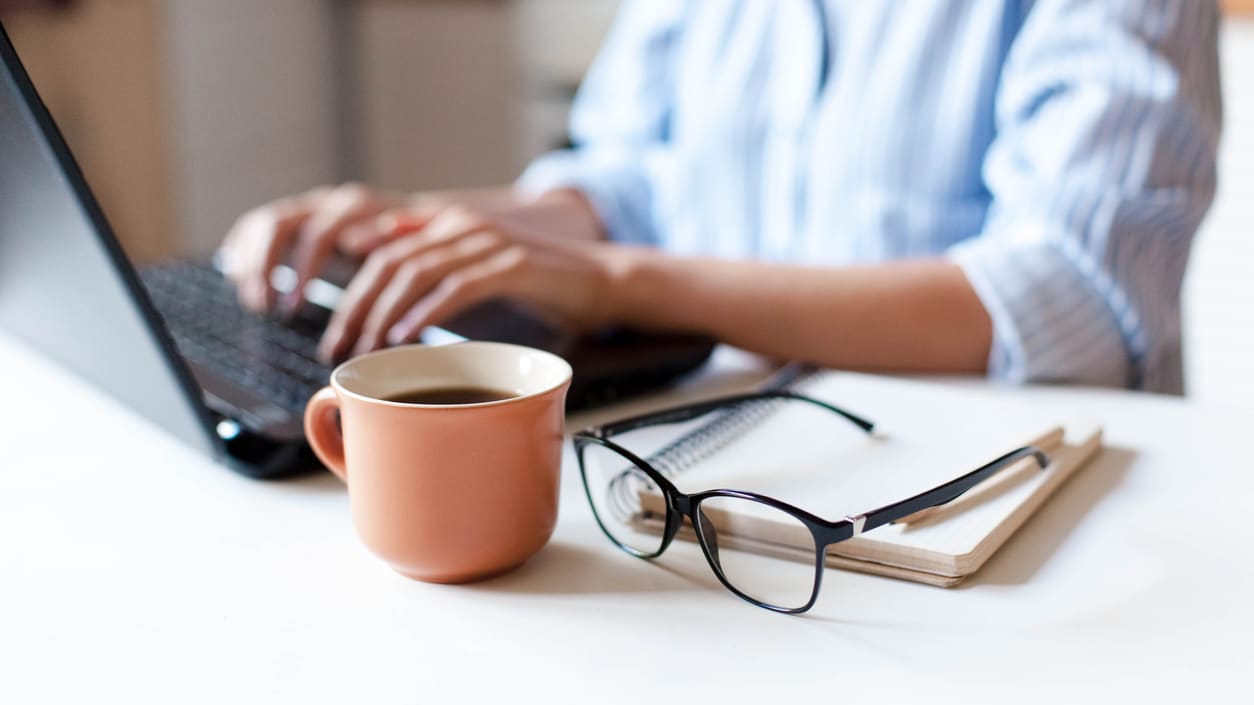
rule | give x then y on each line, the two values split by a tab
1062	152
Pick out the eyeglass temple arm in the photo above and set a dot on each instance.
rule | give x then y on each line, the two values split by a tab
692	411
947	492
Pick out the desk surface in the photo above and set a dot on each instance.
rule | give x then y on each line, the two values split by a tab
133	569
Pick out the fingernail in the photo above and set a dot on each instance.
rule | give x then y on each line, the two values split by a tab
398	334
403	330
326	346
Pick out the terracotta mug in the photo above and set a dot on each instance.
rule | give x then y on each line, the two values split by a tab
446	493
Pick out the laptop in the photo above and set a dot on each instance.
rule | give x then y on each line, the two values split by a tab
171	341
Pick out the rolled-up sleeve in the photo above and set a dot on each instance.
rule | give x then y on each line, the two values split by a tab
1103	165
620	123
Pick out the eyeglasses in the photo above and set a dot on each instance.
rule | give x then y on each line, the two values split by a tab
641	511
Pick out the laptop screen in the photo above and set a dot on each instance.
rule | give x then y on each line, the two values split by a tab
66	288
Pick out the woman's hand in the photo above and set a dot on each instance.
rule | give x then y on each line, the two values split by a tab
305	229
436	266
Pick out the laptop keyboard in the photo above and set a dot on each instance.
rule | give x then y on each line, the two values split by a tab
275	360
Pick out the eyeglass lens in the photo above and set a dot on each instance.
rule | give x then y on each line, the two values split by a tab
627	503
730	525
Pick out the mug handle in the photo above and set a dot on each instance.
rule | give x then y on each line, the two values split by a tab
324	433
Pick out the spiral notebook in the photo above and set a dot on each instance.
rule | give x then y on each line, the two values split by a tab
926	433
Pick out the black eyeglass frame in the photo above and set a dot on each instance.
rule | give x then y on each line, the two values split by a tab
825	532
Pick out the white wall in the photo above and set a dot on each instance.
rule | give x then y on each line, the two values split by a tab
1219	286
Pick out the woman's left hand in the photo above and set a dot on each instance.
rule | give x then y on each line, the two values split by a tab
435	268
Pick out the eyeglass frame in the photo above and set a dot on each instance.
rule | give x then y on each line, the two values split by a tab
680	505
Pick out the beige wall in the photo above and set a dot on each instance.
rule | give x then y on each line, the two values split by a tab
435	87
98	68
251	87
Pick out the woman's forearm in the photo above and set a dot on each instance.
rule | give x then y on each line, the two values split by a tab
906	316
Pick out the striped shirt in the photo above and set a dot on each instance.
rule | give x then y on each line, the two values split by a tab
1062	152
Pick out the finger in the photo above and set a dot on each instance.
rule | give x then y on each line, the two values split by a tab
360	294
498	275
364	237
316	238
361	238
259	240
443	226
415	278
359	298
260	237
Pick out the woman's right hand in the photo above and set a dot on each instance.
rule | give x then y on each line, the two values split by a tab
304	230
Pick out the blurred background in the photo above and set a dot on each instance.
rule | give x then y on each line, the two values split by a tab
184	113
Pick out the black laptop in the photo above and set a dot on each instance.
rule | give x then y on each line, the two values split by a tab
171	341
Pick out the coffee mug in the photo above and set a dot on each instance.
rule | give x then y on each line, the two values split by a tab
447	492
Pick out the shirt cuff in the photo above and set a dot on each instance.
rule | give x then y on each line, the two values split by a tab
1051	322
614	185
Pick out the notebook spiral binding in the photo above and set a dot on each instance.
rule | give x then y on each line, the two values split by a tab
700	443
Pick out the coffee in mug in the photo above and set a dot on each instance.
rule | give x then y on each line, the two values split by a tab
450	395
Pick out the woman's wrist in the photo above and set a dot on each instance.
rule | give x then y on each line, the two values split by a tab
645	288
563	212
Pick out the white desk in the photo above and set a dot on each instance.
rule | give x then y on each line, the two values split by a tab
132	569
